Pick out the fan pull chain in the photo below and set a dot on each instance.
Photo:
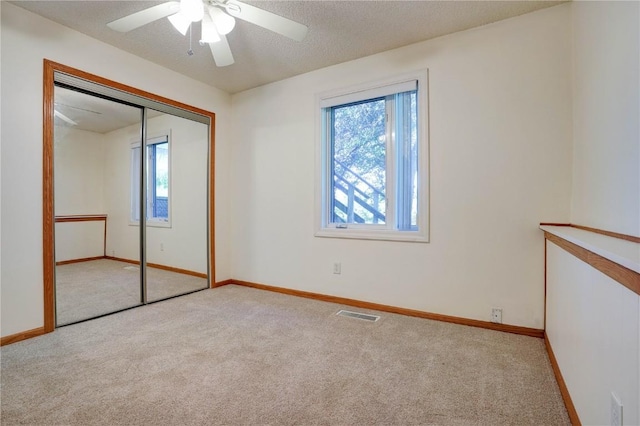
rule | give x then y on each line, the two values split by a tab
190	51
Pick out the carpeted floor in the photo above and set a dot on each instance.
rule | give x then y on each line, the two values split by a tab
240	356
89	289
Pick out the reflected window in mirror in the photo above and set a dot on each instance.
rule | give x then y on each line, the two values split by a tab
158	165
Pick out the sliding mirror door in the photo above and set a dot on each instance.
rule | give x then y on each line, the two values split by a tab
127	196
176	158
97	254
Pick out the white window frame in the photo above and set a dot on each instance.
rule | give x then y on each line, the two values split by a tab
134	183
387	231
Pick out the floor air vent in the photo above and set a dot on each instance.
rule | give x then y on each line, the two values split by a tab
365	317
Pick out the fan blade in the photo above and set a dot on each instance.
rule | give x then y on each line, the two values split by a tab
222	52
144	17
271	21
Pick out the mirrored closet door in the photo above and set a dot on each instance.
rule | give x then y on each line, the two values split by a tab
176	225
131	200
92	179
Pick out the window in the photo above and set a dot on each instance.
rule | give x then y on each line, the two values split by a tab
373	156
158	181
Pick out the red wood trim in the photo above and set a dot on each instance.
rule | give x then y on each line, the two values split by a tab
7	340
81	218
534	332
122	259
104	240
596	230
626	277
84	259
177	270
221	283
48	250
564	391
608	233
544	318
158	266
125	88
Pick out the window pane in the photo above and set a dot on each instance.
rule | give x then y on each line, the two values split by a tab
158	181
407	160
162	169
359	162
414	160
161	201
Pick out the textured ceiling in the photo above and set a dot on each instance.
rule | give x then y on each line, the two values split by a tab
339	31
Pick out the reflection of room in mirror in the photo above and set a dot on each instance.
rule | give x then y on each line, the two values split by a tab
97	186
180	240
89	289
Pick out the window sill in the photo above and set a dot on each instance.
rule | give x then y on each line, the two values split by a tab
379	235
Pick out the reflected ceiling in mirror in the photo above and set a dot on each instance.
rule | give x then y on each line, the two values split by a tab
92	113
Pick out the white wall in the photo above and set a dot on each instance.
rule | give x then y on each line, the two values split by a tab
606	112
79	190
500	136
185	242
78	172
79	240
593	326
25	40
593	323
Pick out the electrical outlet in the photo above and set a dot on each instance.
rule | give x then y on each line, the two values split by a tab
161	246
496	315
337	268
616	410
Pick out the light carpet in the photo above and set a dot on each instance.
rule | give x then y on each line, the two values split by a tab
241	356
89	289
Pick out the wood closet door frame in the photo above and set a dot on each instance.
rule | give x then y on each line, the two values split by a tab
48	219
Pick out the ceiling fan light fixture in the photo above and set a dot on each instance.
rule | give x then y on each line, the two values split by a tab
193	10
180	22
217	20
209	32
224	22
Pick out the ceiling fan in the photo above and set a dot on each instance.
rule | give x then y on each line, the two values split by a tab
217	18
